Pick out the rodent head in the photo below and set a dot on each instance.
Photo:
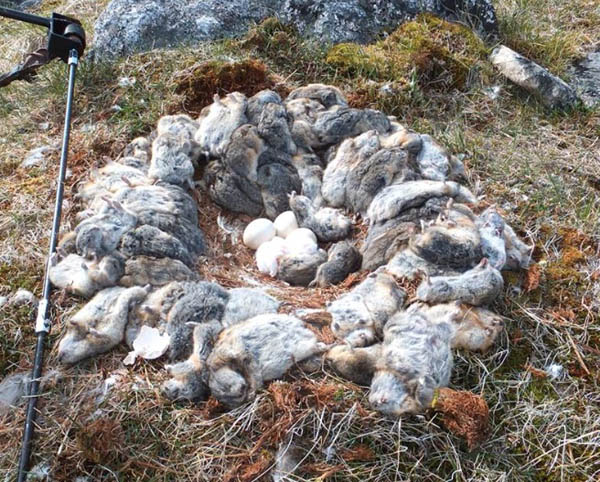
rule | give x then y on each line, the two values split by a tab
188	383
392	396
229	387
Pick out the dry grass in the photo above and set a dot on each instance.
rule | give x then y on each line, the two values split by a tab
542	170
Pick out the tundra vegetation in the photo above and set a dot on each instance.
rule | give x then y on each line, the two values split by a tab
540	168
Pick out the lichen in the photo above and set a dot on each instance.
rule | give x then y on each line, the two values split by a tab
436	53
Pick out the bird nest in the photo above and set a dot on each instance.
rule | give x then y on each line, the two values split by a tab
403	267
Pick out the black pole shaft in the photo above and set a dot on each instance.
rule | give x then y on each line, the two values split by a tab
25	17
43	324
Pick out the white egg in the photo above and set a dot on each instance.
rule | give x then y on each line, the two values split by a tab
268	254
301	240
285	223
258	232
303	232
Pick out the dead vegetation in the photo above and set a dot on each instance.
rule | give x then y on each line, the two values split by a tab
541	381
199	84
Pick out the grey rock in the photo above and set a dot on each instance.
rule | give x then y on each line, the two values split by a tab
585	78
552	91
358	21
128	26
20	4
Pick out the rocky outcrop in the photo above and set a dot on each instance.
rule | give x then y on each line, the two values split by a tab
128	26
585	78
552	91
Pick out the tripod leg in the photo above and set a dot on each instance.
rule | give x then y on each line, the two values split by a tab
42	326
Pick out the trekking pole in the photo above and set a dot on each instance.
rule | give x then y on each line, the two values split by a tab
66	40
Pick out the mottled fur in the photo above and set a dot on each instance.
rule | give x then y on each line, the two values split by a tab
356	364
257	103
392	201
328	224
172	160
146	270
358	317
310	171
99	325
477	286
85	278
448	244
326	95
189	378
218	121
342	259
338	123
99	235
198	302
247	303
433	160
255	351
273	127
474	328
415	360
300	268
151	241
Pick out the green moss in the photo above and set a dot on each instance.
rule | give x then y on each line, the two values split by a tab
296	58
269	34
541	390
517	359
433	52
14	276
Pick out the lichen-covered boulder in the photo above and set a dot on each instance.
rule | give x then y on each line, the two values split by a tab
585	78
551	90
128	26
